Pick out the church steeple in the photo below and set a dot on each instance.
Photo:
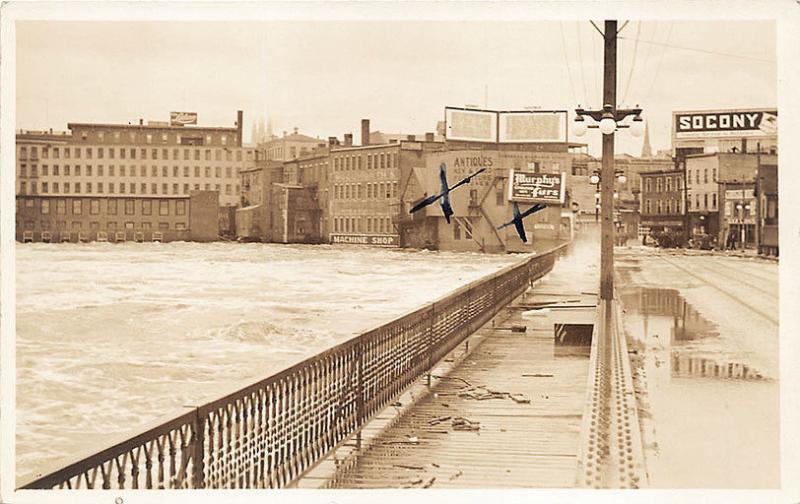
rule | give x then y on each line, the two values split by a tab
647	151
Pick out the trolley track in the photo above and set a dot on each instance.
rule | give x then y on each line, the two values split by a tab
715	285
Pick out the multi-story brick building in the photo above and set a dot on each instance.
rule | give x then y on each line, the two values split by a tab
364	194
133	160
662	201
116	218
289	147
704	173
767	218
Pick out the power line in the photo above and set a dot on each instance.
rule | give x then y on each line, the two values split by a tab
695	49
633	61
660	61
580	61
566	61
595	82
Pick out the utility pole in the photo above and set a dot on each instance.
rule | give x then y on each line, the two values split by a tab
609	119
607	169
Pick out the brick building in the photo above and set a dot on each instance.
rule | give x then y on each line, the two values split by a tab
155	159
289	147
115	218
662	201
767	223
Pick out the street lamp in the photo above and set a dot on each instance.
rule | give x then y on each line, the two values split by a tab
608	120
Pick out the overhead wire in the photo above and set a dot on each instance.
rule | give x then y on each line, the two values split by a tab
633	61
660	61
597	88
705	51
566	62
580	60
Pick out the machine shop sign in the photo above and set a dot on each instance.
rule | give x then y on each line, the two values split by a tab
365	239
182	118
726	124
527	187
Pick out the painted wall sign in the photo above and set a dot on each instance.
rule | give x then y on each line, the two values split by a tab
365	239
182	118
529	187
730	123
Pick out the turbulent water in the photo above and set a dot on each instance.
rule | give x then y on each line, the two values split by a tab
113	336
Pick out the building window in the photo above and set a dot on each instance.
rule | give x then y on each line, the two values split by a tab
185	188
163	208
147	207
180	208
668	184
76	207
100	187
705	201
164	171
89	187
174	188
705	175
143	188
45	207
111	206
94	207
44	187
197	154
218	172
228	172
713	201
77	187
647	206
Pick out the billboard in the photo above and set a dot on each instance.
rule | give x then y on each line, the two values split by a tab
530	126
182	118
527	187
533	127
725	123
470	125
365	239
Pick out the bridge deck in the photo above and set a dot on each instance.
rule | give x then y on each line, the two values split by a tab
518	444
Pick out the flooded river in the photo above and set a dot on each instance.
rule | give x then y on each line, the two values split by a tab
113	336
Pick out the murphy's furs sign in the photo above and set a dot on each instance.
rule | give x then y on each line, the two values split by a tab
526	187
726	123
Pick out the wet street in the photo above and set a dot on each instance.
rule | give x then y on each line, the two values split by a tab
703	333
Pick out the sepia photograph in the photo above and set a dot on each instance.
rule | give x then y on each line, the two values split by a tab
253	247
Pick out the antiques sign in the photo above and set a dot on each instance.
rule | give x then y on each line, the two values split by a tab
529	187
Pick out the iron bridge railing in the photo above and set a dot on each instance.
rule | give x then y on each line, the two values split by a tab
269	433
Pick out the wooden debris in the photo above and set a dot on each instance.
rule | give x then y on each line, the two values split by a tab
461	423
436	421
456	475
403	466
429	483
537	375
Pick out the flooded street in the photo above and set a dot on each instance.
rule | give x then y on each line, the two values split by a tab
110	337
705	334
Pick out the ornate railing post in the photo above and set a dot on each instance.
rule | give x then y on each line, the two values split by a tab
198	451
360	413
429	349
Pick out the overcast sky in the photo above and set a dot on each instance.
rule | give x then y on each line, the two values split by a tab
323	77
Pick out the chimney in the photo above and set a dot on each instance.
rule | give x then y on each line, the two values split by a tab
296	129
333	141
141	122
348	139
411	138
284	133
239	125
365	132
429	137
